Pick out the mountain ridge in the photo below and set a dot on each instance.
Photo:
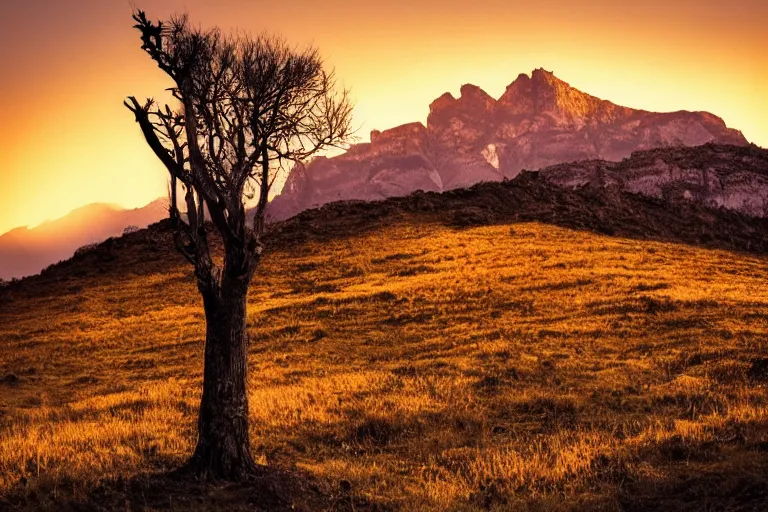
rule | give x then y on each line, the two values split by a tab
25	251
84	212
538	121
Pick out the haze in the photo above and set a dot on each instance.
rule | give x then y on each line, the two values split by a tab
68	141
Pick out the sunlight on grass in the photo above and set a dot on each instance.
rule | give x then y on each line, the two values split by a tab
515	367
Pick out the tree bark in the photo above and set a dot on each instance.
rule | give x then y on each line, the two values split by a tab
223	444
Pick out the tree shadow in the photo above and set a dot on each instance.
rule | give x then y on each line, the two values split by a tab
270	489
702	479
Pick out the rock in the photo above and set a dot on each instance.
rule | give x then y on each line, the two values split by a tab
471	216
731	177
538	122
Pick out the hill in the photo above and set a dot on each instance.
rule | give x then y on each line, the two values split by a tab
25	251
512	346
539	121
717	175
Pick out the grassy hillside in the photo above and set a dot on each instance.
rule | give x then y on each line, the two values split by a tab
411	365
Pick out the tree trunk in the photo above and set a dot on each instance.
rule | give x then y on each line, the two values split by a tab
223	444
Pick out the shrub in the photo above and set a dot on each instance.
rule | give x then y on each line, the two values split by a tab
86	248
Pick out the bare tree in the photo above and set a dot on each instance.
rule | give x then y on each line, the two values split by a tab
247	107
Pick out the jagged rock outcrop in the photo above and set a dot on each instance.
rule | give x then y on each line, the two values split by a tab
718	176
539	121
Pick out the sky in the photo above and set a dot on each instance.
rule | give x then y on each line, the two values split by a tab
66	140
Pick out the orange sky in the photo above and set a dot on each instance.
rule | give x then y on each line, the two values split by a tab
66	140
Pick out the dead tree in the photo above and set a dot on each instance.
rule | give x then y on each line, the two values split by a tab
246	108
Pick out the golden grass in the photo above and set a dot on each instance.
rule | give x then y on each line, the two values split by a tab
519	367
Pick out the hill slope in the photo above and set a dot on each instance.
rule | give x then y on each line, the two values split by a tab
462	351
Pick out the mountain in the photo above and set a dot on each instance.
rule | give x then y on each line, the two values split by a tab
539	121
25	251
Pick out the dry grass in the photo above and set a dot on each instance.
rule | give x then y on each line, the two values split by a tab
516	367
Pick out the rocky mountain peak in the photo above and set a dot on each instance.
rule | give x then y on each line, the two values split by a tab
473	97
473	103
518	99
544	94
539	121
445	101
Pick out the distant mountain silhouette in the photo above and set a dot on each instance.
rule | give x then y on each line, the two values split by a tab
539	121
25	251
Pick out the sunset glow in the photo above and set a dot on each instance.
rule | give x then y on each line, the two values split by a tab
68	141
